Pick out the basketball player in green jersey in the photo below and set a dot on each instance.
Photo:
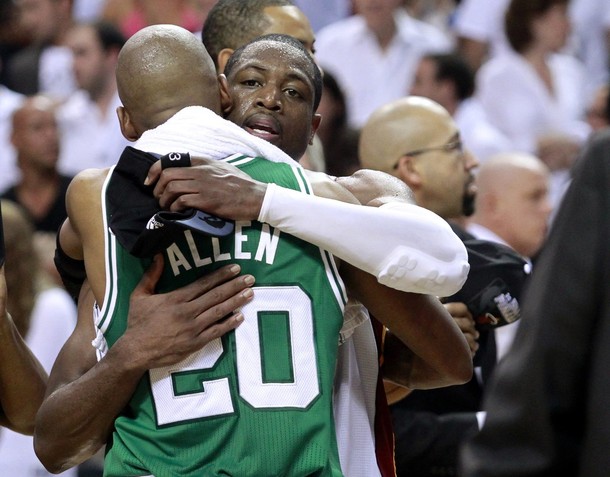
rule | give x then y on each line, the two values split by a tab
237	406
169	357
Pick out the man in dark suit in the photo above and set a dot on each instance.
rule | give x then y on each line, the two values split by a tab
547	405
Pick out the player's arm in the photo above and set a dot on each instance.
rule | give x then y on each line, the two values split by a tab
405	246
22	377
84	395
81	236
407	315
432	351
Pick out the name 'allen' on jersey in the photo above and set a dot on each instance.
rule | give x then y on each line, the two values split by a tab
250	243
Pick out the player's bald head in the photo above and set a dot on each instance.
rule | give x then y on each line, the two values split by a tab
162	69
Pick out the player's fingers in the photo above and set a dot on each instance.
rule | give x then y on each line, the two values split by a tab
181	194
224	299
456	308
467	325
221	328
472	344
153	173
214	287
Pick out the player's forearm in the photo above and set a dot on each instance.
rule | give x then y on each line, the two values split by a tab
22	380
433	350
431	353
405	246
76	419
402	366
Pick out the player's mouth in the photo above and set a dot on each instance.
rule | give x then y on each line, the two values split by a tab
264	126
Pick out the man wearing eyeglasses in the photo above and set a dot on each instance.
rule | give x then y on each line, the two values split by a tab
424	150
417	140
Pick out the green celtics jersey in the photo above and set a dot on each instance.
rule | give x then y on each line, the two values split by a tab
258	401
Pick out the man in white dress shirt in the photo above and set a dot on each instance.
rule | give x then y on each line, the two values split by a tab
374	54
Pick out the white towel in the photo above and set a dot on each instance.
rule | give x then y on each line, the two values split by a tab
200	131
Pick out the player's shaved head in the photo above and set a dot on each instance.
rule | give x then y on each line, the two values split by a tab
162	69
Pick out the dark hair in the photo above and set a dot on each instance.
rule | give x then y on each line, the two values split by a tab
453	67
518	20
332	87
313	71
108	35
233	23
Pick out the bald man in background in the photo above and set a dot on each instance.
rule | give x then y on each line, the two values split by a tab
512	205
417	140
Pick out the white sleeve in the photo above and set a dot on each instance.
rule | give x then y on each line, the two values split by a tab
405	246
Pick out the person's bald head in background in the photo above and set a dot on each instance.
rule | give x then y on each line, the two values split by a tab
416	140
231	24
513	200
35	134
161	70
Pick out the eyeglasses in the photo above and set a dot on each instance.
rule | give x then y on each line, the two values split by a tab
455	145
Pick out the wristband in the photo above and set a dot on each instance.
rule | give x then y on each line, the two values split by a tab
175	159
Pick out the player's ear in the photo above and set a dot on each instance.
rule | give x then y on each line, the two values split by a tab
223	57
127	128
226	101
315	124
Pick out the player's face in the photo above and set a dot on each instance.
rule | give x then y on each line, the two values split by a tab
273	96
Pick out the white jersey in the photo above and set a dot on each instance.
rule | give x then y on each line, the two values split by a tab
355	397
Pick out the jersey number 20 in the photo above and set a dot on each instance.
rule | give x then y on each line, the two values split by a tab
275	360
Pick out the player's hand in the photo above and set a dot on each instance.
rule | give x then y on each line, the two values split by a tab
165	328
212	186
463	318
